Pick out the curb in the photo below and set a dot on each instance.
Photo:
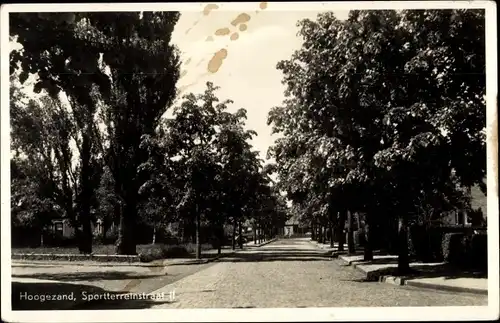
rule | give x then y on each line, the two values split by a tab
337	254
333	253
77	257
375	275
262	244
401	281
199	261
445	288
20	263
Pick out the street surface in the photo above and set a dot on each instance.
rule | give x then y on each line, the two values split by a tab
295	273
285	273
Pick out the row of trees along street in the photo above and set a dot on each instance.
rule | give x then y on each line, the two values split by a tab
95	143
384	116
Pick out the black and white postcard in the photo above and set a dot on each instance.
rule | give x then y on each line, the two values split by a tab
244	162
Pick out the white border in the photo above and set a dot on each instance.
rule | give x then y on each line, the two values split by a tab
249	315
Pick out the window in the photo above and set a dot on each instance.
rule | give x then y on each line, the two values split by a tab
58	228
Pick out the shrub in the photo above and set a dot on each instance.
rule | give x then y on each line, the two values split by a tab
359	238
426	243
51	239
418	242
109	237
161	251
454	248
479	251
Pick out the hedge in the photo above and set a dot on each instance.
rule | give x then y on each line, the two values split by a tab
479	251
162	251
425	243
467	251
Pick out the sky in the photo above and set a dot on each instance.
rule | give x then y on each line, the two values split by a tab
247	75
253	43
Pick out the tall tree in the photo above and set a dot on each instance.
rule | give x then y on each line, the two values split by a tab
143	68
124	60
387	93
191	135
64	55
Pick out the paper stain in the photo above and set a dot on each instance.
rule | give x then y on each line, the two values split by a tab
209	38
216	62
241	19
209	7
263	5
243	27
222	32
188	61
234	36
199	63
192	26
183	74
183	88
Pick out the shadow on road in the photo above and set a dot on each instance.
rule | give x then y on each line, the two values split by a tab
277	255
87	276
76	297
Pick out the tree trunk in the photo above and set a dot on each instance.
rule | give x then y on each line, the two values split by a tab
105	228
198	240
254	235
313	232
220	238
233	238
86	237
85	241
403	258
320	234
240	232
154	235
350	233
331	234
340	230
126	244
368	252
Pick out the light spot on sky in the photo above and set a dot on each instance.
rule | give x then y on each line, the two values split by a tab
248	74
243	65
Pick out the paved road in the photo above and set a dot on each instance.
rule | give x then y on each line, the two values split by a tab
285	273
294	273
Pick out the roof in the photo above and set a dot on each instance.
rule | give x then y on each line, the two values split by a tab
479	200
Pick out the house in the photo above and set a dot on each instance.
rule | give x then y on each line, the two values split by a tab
63	228
478	214
293	227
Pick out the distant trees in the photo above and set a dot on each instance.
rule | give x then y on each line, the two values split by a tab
100	147
377	107
216	170
95	146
